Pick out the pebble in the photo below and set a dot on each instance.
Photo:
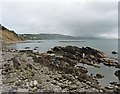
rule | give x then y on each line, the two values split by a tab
22	90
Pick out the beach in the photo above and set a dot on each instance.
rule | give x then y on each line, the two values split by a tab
54	70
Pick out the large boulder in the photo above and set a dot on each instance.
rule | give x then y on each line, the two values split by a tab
16	62
117	73
99	76
57	49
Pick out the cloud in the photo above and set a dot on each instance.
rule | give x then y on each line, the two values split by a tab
59	1
72	18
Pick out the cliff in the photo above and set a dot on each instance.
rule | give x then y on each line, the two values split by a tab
8	36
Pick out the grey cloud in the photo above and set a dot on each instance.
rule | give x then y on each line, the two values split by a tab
78	19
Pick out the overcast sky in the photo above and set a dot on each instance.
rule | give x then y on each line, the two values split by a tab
70	17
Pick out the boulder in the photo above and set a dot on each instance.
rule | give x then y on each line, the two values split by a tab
9	80
57	49
16	62
26	51
50	52
99	76
27	47
117	73
110	87
114	52
22	90
73	87
34	83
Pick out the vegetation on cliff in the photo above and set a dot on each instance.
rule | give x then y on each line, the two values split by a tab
8	36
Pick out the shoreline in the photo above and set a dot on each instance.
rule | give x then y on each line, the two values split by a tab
19	54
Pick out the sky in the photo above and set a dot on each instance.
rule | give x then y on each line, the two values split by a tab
93	18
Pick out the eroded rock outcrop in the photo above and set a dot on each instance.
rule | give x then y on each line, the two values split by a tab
85	55
8	36
56	70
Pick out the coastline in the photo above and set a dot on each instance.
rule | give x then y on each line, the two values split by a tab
26	56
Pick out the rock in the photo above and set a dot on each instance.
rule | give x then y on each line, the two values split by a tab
113	83
54	82
82	69
70	56
63	86
57	79
27	47
13	89
117	91
109	87
36	47
50	52
22	90
100	55
83	78
3	72
31	84
34	89
57	49
35	83
92	57
73	87
26	51
9	80
117	73
99	76
68	77
40	72
16	62
114	52
38	59
1	66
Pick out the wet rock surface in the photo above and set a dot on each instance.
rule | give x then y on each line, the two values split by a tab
56	70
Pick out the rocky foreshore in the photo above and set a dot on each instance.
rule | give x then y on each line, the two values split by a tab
55	71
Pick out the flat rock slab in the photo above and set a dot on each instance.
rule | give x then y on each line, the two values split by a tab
22	90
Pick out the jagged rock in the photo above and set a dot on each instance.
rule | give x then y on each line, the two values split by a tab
70	56
9	80
99	76
117	91
50	52
34	83
68	77
3	72
22	90
63	86
109	87
82	69
117	73
26	51
113	83
1	66
54	82
114	52
27	47
57	49
40	72
73	87
16	62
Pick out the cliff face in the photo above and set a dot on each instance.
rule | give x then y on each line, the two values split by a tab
8	36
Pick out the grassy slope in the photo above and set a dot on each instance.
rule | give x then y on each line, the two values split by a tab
9	36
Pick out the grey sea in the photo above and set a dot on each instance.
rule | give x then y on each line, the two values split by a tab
105	45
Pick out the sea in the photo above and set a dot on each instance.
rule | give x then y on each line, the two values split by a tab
105	45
